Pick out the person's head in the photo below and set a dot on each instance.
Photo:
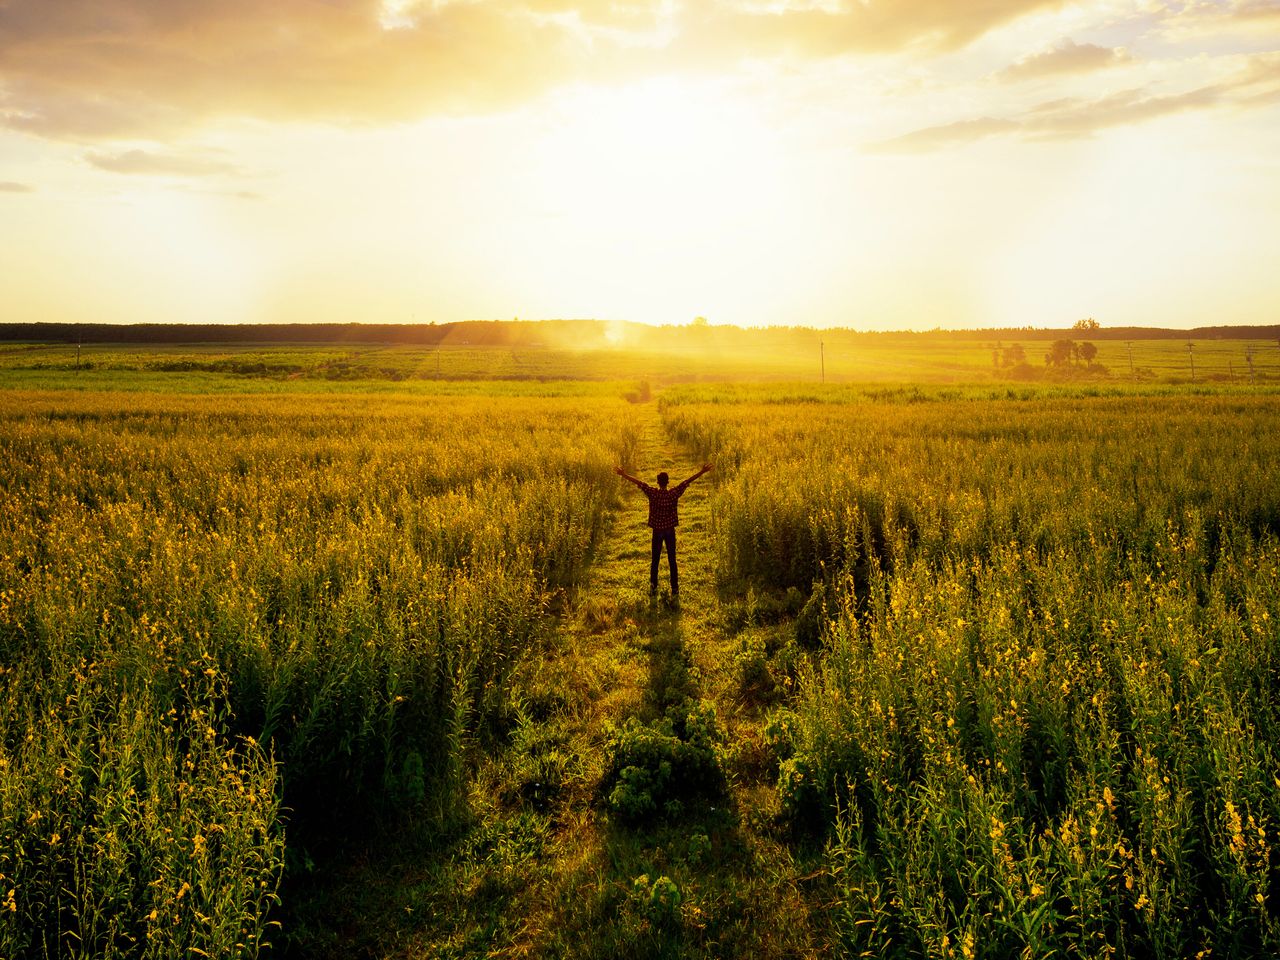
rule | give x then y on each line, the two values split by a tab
663	479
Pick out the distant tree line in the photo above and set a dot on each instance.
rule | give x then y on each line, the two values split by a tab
498	332
575	333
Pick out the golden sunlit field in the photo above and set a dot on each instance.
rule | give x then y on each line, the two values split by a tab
662	357
334	335
367	666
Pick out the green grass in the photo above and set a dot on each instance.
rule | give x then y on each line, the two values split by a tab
882	359
332	592
1041	713
550	866
962	665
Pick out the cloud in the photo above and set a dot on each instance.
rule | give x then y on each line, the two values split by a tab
251	196
1077	118
850	26
1257	10
9	186
1217	24
100	69
1085	118
1259	84
1067	119
1067	57
945	135
173	165
1195	17
94	69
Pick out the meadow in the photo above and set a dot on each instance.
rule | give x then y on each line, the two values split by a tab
1041	711
692	356
219	614
363	664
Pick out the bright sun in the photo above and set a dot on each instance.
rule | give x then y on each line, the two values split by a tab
649	190
661	150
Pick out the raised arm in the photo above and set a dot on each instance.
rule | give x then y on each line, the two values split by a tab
626	476
683	484
706	468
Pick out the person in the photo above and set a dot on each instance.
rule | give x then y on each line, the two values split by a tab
663	519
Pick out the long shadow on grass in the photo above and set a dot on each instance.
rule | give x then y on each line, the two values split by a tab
670	839
663	640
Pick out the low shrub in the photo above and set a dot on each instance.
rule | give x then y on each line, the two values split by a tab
659	770
659	900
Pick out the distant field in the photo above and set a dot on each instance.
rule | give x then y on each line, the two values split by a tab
914	358
348	652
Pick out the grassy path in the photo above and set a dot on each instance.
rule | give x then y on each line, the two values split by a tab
545	870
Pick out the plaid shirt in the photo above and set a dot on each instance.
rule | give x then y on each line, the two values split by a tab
662	504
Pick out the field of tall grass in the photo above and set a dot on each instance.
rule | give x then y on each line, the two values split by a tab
1028	704
1040	711
231	628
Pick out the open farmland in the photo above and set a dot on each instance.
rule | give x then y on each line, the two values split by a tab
661	357
213	607
365	665
1041	711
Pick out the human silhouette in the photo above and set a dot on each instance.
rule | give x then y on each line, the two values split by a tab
663	519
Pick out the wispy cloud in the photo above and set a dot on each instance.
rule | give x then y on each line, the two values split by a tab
1194	18
1260	83
1067	57
946	135
1057	120
828	29
173	165
1077	118
1085	118
10	186
101	69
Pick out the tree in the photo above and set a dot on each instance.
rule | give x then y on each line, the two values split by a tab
1014	355
1060	353
1088	323
1087	352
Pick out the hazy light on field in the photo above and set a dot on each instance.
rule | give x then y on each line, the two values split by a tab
877	165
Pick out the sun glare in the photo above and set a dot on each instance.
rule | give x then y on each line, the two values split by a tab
760	162
649	193
652	152
172	243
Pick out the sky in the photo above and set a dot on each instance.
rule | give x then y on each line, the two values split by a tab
878	165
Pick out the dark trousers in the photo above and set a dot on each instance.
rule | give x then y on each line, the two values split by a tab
659	538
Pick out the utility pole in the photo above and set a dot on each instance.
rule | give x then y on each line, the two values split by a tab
1191	355
822	358
1129	344
1248	358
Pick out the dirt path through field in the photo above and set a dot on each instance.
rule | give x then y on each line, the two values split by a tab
738	887
546	870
